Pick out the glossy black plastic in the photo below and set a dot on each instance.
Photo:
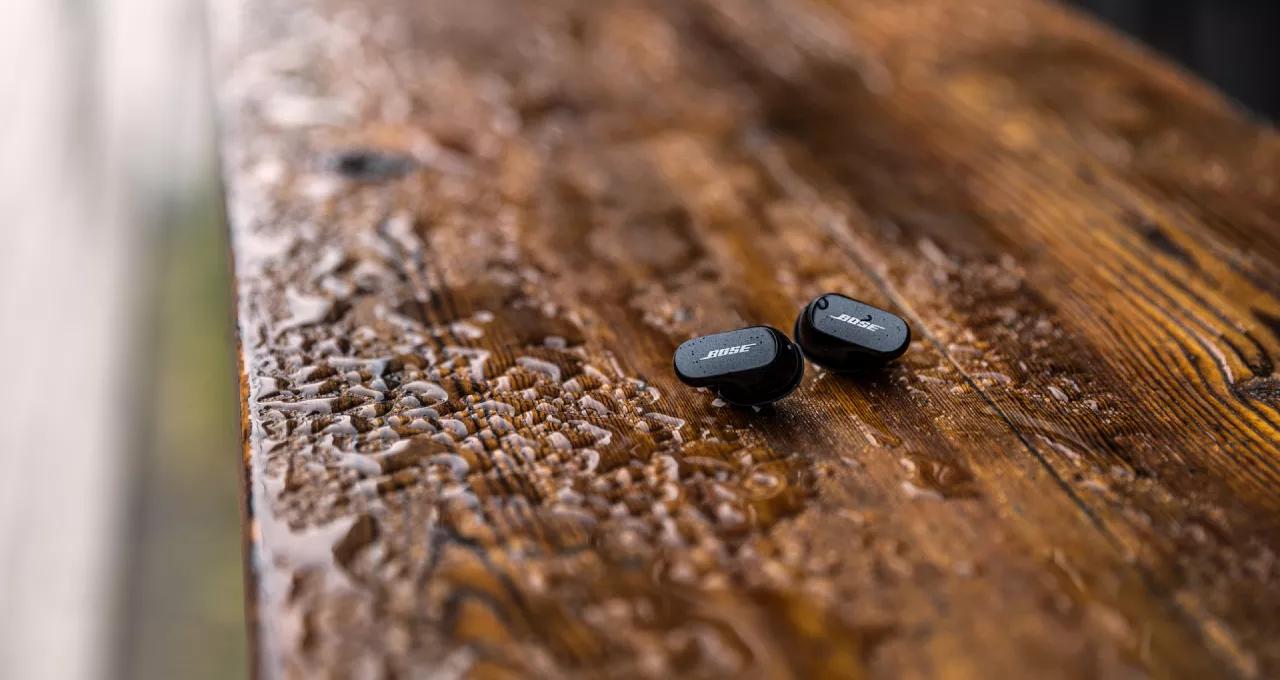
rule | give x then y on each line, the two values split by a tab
747	367
845	335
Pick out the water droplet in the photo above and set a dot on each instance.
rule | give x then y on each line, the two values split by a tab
540	366
944	478
433	393
305	309
991	377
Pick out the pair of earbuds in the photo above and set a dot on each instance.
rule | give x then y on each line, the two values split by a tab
759	365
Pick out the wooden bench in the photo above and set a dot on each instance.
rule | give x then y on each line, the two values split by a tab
468	236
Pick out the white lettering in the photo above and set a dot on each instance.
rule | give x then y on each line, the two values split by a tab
736	349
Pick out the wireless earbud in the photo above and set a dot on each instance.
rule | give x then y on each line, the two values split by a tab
747	367
844	335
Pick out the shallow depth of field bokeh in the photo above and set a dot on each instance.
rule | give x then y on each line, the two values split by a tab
186	592
136	119
119	506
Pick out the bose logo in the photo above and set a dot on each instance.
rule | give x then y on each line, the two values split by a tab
857	322
736	349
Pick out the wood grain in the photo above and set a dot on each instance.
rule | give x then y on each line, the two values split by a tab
468	237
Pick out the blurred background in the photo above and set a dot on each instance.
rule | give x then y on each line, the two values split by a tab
1230	43
119	506
119	510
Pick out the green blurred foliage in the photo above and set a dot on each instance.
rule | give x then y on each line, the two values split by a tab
186	606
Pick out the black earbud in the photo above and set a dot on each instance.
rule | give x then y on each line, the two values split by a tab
747	367
844	335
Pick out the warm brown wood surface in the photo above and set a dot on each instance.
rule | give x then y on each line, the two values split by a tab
468	236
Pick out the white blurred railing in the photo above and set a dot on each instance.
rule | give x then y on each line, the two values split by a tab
102	111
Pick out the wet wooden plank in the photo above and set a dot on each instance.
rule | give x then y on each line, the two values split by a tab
468	237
